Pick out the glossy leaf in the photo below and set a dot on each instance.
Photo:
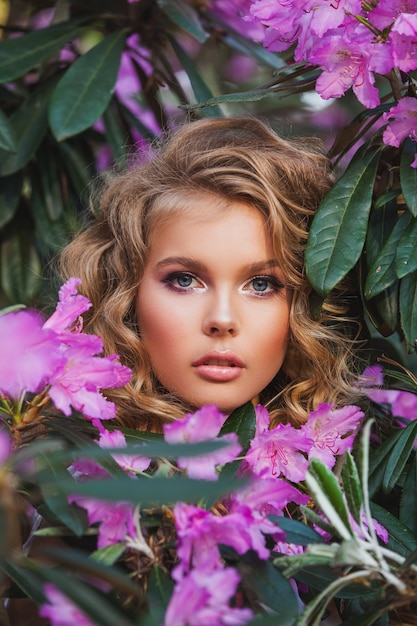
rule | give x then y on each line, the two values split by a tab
325	489
406	254
408	507
23	576
199	86
10	190
85	90
339	227
297	532
399	456
377	462
400	537
185	16
408	175
270	587
21	268
352	487
30	124
7	134
19	55
243	422
382	274
408	309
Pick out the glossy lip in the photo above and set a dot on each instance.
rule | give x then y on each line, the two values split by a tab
219	366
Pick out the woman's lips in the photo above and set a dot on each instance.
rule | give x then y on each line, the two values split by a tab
219	367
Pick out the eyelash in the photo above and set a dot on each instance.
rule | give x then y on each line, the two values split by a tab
275	285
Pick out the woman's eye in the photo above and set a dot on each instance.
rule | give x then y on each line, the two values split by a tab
263	285
181	281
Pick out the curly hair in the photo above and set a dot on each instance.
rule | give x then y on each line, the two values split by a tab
236	159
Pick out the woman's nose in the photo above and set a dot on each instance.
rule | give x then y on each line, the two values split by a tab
221	316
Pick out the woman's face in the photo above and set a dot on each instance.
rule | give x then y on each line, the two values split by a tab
212	309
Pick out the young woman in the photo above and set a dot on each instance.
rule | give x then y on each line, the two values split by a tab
194	264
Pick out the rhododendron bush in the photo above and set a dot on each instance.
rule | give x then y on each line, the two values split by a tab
219	520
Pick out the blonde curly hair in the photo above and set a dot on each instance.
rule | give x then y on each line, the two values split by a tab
237	159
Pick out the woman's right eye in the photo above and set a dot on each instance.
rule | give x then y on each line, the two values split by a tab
182	281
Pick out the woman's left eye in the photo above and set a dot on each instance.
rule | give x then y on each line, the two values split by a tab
263	285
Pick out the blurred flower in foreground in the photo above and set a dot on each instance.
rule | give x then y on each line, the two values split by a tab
61	611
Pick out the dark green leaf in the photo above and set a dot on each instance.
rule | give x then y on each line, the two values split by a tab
321	576
408	508
21	268
185	16
85	90
30	123
7	135
242	421
115	136
297	532
383	310
244	96
19	55
382	273
148	492
399	455
338	231
377	462
10	191
408	175
352	487
270	587
400	538
408	309
198	84
160	588
367	619
25	579
406	257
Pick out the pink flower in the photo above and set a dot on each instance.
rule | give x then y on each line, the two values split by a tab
203	425
403	42
402	123
279	452
70	306
29	353
403	403
115	519
332	431
60	610
116	439
202	599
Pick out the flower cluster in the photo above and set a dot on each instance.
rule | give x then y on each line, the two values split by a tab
351	42
55	359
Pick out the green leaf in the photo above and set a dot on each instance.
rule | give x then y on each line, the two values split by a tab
408	507
377	462
325	489
25	579
406	253
115	136
400	537
322	576
85	90
382	273
408	309
408	175
352	487
242	421
10	192
400	453
270	587
110	554
7	135
297	532
21	54
21	268
339	227
185	16
367	619
198	84
160	588
30	123
148	492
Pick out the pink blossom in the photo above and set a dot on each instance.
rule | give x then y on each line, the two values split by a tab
332	431
403	403
279	451
267	495
60	610
115	519
402	123
203	425
403	42
233	13
29	353
70	306
199	533
202	599
116	439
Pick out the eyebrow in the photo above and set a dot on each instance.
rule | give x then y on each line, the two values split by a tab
198	266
